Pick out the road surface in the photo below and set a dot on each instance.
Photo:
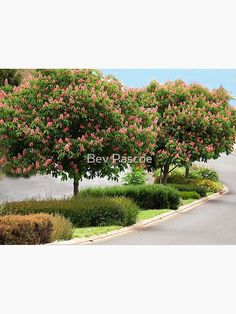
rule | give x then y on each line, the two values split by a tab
211	223
38	186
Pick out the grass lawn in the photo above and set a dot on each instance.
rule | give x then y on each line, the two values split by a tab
189	201
209	193
92	231
150	213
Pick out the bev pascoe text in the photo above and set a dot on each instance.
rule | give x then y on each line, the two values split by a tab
92	158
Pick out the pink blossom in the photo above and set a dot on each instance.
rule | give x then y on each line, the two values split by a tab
123	131
67	147
37	165
60	167
37	120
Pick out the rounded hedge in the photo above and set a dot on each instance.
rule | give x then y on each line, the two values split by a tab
29	229
186	195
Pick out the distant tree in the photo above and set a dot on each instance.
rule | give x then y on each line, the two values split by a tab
194	124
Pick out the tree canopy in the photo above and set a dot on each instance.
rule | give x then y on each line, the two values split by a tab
50	124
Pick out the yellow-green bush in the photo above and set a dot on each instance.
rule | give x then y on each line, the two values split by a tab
212	186
62	228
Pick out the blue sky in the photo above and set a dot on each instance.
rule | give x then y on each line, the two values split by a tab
212	78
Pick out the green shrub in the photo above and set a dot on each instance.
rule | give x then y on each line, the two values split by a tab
62	228
135	177
28	229
107	211
185	195
146	196
82	212
204	173
201	190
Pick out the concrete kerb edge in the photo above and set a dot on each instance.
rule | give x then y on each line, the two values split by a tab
144	223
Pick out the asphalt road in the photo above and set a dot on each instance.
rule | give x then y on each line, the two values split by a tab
211	223
18	189
43	187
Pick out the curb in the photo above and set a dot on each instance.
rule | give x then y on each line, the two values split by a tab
144	223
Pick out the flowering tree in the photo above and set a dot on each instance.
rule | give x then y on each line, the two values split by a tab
195	124
51	123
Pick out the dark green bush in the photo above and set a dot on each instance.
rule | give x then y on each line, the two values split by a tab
201	190
146	196
186	195
107	211
28	229
82	212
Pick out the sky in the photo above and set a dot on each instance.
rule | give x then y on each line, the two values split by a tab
211	78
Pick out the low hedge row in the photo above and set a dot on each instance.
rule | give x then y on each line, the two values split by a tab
186	195
146	196
34	229
81	212
201	190
209	185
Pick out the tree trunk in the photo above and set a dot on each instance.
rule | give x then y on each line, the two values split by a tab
76	187
161	176
165	174
187	168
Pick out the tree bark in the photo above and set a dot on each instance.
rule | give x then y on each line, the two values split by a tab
76	187
161	176
187	169
165	174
